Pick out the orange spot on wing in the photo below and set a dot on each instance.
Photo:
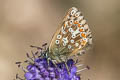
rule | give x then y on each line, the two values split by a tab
83	35
64	24
81	30
79	25
75	22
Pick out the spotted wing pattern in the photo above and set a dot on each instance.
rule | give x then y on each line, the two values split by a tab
73	35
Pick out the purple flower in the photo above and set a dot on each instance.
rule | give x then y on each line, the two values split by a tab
40	68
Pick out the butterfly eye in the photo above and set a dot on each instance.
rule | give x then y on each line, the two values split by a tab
77	14
57	42
59	36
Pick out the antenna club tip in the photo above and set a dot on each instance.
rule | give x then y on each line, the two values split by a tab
88	67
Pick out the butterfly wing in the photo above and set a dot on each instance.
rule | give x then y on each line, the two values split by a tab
72	36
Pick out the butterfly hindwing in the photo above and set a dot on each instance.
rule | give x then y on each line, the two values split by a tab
73	34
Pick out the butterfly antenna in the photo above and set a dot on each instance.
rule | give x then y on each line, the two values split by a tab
39	48
86	68
44	46
19	65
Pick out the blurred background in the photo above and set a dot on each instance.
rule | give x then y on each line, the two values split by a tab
26	22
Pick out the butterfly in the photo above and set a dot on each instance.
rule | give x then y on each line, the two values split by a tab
71	38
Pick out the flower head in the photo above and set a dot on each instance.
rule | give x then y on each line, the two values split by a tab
41	68
44	70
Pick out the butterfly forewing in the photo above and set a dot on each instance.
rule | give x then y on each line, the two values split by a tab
73	34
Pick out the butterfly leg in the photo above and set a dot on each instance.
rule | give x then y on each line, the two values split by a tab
53	61
67	65
86	68
67	68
